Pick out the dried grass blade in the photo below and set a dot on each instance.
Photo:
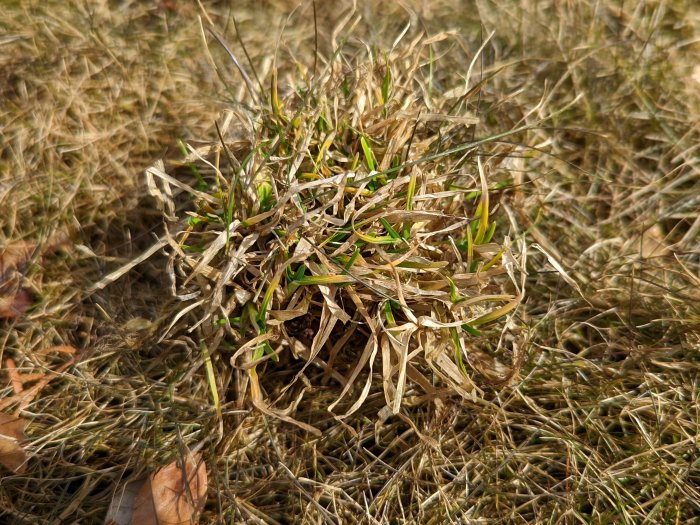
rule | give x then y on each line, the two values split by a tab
120	272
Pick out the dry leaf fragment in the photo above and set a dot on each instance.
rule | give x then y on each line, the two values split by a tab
14	304
59	349
175	495
15	377
14	301
121	509
12	455
27	395
14	256
178	493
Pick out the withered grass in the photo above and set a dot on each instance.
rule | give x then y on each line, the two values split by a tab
384	264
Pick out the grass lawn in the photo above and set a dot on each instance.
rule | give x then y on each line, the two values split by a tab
418	262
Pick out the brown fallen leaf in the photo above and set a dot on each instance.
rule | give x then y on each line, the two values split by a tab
14	256
15	377
175	495
179	494
27	395
144	508
12	455
18	380
59	349
121	509
15	303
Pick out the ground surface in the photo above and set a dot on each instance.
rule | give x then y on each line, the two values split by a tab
599	421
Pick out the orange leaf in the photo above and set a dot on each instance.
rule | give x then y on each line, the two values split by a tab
175	495
27	395
60	349
12	455
15	377
18	380
179	494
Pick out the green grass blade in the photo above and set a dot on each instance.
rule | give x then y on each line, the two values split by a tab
211	379
369	156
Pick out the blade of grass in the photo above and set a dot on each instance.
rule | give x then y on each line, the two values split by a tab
369	156
211	379
484	204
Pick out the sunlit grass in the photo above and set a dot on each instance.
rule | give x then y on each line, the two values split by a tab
410	265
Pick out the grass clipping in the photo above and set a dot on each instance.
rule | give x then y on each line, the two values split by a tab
350	217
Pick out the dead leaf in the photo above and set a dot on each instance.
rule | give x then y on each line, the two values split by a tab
14	300
14	256
175	495
180	494
14	304
12	455
17	380
121	509
27	395
144	510
59	349
15	377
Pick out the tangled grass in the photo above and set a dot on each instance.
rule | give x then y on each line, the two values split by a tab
460	244
352	209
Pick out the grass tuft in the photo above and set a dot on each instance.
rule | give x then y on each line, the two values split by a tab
338	205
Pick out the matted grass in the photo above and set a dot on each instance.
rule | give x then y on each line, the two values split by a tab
330	246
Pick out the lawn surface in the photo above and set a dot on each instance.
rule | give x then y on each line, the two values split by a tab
540	370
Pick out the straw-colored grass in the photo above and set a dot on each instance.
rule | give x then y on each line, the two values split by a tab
354	207
428	263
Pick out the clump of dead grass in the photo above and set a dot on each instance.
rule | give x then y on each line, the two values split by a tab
356	205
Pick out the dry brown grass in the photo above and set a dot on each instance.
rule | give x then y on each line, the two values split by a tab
578	405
